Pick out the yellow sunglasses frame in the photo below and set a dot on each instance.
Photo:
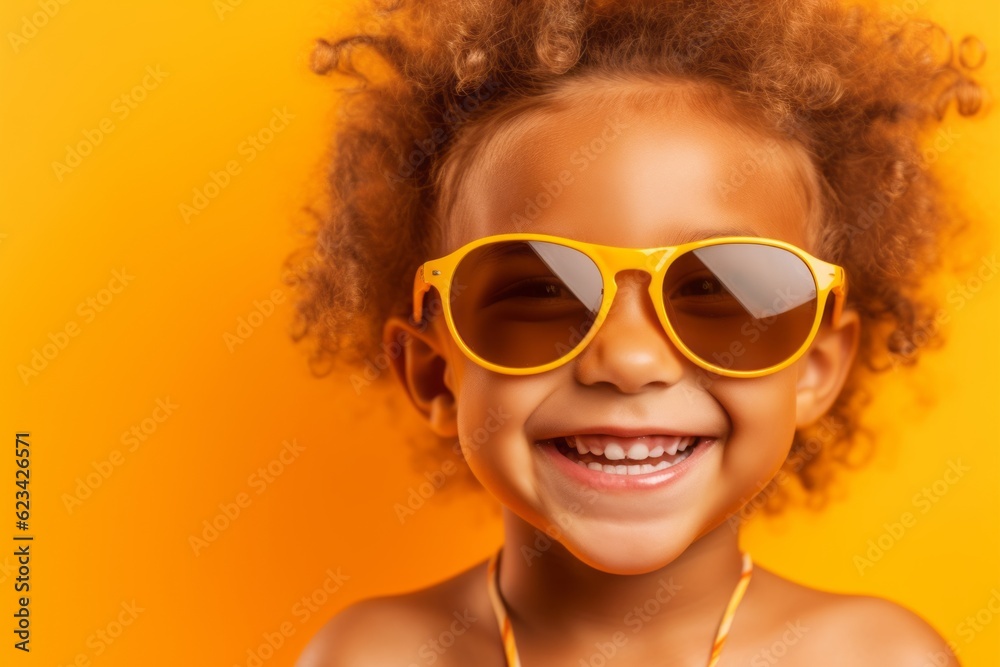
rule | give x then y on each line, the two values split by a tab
610	260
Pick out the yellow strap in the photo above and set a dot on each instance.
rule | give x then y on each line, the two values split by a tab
727	618
507	632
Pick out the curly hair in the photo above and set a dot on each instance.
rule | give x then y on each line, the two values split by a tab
861	89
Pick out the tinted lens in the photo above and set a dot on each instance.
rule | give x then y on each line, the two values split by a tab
741	306
521	304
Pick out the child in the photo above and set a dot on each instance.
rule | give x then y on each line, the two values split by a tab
649	249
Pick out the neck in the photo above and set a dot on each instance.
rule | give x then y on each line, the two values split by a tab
549	592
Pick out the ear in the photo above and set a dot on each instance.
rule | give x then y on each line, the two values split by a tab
423	369
825	368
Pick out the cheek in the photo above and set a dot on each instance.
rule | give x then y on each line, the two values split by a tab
492	411
762	424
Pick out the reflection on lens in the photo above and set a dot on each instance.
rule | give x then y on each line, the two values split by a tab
741	306
525	303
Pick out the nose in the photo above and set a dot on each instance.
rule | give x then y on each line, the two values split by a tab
630	350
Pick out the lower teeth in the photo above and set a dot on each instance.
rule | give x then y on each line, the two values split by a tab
633	468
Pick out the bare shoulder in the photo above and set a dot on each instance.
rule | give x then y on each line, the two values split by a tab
841	629
445	623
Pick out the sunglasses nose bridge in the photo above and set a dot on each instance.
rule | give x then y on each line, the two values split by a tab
648	260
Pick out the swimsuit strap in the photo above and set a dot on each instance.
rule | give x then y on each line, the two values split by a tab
734	601
507	631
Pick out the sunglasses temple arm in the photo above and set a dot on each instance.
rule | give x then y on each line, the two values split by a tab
839	291
420	287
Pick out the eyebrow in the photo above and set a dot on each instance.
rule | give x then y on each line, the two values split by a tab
688	236
523	248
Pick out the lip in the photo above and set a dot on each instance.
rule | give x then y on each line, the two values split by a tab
607	482
624	432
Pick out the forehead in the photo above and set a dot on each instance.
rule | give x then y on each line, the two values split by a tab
663	173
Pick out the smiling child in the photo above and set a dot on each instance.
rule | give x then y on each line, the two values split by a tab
642	233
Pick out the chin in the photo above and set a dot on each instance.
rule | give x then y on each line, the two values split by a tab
626	552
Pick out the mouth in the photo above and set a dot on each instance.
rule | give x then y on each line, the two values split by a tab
616	455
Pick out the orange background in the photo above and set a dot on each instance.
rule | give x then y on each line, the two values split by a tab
162	336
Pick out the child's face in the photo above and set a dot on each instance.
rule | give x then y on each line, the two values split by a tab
635	180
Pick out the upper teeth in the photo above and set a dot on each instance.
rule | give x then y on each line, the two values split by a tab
637	451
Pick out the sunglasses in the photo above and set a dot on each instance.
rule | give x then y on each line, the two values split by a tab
736	306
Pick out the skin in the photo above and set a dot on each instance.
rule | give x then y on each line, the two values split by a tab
655	183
